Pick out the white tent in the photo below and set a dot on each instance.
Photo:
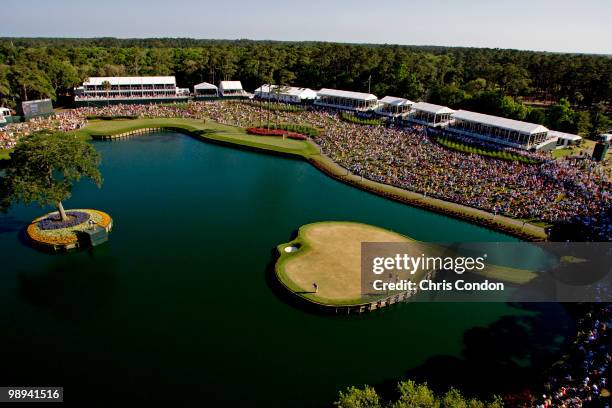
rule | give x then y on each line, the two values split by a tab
432	108
499	122
290	94
205	89
564	139
231	88
338	93
393	106
337	98
508	132
430	114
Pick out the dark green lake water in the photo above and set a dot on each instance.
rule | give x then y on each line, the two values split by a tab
178	306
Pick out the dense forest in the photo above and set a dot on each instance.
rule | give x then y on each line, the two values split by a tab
567	92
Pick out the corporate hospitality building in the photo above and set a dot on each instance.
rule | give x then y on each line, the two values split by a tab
347	100
394	107
286	94
503	131
109	90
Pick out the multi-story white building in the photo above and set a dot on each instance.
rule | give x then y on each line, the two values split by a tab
129	90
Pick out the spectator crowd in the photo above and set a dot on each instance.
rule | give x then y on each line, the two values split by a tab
582	379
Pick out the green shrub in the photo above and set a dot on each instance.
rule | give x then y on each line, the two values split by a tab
349	117
496	154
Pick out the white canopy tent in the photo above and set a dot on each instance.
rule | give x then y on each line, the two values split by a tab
205	89
497	121
564	139
393	106
500	130
288	94
430	114
231	88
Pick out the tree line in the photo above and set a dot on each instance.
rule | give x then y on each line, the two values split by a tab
508	83
410	394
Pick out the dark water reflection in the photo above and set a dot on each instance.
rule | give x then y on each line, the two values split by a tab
176	306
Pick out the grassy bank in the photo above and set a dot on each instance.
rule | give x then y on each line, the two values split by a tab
211	131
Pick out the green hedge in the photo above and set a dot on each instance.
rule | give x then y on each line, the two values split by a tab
493	153
349	117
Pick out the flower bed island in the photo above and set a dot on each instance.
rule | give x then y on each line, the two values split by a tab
50	232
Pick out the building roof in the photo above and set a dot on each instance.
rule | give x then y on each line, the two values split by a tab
395	101
145	80
496	121
347	94
205	85
231	85
432	108
286	90
568	136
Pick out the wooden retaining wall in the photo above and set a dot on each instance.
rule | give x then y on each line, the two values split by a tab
378	304
357	308
131	133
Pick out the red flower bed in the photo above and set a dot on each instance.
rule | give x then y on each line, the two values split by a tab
275	132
